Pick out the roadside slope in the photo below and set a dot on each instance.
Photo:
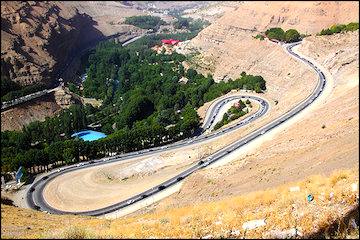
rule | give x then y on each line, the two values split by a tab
217	219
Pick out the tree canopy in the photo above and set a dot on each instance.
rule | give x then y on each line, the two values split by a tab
291	35
338	28
145	22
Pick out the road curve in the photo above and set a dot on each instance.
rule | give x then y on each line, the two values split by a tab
35	197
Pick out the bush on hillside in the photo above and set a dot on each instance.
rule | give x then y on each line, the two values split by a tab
292	35
338	28
275	33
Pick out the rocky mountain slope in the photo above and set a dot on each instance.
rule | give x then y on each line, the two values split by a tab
37	39
306	17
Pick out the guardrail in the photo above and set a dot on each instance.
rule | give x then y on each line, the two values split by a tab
17	101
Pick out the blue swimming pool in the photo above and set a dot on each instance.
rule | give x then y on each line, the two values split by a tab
89	135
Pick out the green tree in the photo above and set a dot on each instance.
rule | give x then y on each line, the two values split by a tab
292	35
275	33
353	26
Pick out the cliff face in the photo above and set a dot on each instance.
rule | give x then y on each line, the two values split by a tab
305	16
37	39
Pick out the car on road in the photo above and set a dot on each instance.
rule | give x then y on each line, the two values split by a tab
262	132
200	162
130	201
161	187
32	189
180	178
46	177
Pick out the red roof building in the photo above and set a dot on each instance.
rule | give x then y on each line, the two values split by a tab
170	41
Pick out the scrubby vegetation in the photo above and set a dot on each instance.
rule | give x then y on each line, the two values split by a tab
259	36
190	24
233	113
145	22
338	28
11	90
73	88
291	35
144	105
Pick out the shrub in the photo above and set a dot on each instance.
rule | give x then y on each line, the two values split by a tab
292	35
259	36
275	33
76	233
353	26
338	28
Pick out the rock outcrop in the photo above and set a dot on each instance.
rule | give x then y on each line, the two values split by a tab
37	39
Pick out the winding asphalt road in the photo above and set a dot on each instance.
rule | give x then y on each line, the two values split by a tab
35	197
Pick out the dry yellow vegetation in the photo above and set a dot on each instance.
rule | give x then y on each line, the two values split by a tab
281	208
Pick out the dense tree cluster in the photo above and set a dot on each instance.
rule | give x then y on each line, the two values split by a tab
279	34
232	114
145	22
144	106
39	143
338	28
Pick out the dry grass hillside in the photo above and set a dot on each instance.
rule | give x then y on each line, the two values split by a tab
282	209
